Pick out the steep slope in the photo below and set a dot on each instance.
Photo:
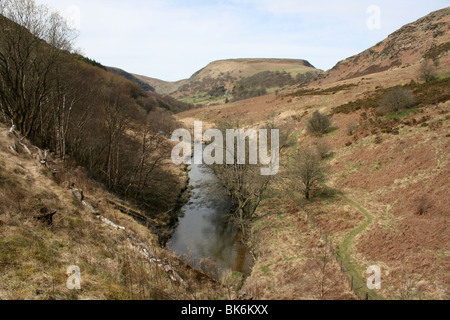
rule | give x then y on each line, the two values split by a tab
117	257
426	38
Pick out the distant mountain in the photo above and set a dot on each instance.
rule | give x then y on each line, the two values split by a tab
426	38
145	86
161	86
219	77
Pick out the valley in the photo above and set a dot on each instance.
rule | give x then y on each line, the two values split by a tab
363	181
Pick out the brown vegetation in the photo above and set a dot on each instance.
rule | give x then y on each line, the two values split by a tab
83	113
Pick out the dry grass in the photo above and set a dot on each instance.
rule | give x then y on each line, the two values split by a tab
385	165
34	257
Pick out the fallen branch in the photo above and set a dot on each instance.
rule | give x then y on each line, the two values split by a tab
24	146
134	213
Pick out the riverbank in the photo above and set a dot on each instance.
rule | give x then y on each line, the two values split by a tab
204	236
118	258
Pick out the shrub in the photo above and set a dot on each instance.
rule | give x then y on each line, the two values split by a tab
323	149
423	205
427	71
351	128
319	124
397	100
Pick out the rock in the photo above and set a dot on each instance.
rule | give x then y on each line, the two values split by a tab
45	215
245	296
78	194
65	185
90	208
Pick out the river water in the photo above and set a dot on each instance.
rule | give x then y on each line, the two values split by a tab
204	233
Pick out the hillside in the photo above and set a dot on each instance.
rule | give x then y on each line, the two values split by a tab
161	86
86	177
385	200
425	38
144	86
217	80
118	258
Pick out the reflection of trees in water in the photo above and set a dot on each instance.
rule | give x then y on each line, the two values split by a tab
218	240
225	246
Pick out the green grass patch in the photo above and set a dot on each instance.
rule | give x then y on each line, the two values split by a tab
266	269
443	76
321	92
345	254
401	115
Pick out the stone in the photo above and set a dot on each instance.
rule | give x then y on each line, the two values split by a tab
45	215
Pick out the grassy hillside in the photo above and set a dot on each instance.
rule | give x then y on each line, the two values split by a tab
107	245
385	201
214	84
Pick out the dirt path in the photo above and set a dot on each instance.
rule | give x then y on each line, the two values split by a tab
345	253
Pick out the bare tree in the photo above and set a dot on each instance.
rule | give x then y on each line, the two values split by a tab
427	71
397	100
323	149
308	172
244	182
322	272
30	47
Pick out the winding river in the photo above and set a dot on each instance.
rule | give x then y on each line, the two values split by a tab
204	233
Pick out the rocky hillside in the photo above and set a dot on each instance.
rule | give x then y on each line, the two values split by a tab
427	38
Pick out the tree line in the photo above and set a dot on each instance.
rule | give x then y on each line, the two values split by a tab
257	85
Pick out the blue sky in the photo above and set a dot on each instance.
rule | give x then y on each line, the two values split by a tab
172	39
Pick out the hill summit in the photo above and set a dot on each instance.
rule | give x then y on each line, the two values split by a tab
251	77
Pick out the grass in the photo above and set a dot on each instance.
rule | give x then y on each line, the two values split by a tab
443	76
321	92
34	257
345	254
201	98
400	115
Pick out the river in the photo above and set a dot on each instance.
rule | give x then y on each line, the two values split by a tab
204	234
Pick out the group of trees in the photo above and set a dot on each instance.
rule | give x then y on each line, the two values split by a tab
78	110
257	85
240	92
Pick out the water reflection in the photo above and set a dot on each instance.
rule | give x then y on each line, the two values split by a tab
205	232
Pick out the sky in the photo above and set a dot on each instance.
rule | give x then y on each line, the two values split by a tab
172	39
